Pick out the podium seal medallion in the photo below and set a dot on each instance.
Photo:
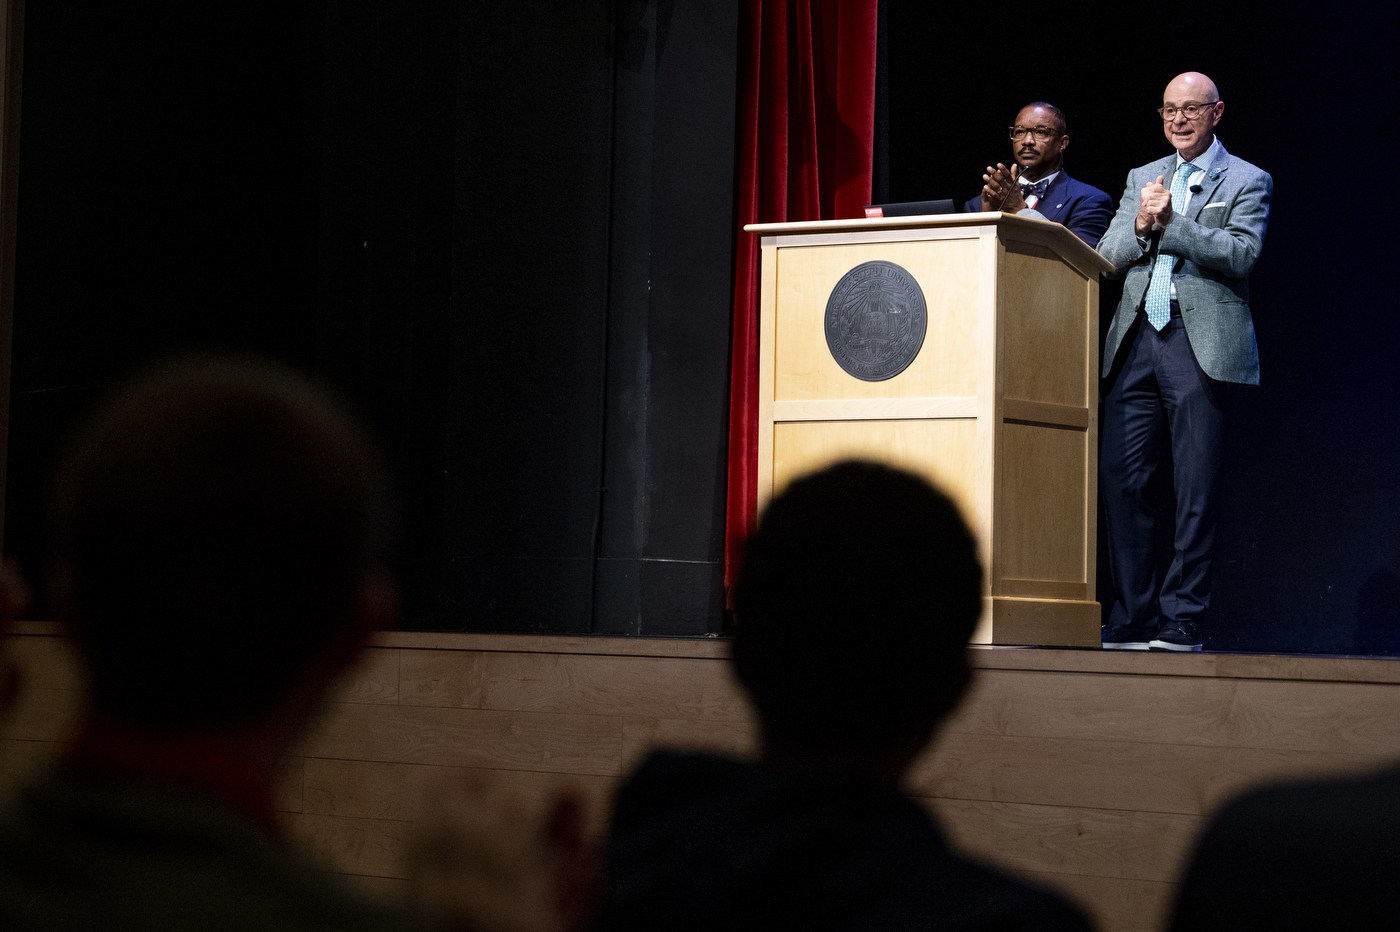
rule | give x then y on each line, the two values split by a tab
875	321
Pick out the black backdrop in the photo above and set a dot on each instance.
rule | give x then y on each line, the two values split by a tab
504	231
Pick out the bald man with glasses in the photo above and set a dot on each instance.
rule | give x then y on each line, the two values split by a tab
1037	181
1188	231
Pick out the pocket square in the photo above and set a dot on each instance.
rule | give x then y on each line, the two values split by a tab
1216	204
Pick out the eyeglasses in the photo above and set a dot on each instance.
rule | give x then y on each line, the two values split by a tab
1190	111
1039	132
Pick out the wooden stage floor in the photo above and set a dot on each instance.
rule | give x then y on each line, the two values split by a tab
1084	770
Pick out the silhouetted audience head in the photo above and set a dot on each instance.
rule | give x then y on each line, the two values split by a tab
855	603
216	526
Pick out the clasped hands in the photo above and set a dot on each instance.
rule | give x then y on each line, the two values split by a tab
1000	183
1154	207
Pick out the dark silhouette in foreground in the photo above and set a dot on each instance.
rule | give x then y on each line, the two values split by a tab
857	597
217	537
1317	854
219	545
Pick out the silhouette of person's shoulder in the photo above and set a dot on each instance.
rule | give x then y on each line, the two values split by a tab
84	853
1303	855
700	841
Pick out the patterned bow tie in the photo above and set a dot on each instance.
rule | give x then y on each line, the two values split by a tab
1036	190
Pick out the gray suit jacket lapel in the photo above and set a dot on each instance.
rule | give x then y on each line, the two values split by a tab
1167	169
1208	184
1213	179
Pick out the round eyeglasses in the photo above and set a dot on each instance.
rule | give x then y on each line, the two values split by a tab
1190	111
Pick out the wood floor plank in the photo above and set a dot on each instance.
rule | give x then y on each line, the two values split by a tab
369	847
449	679
1148	664
1107	774
470	738
1285	715
356	789
666	687
1106	843
374	679
366	789
642	734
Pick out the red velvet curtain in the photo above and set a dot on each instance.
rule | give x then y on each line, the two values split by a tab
805	137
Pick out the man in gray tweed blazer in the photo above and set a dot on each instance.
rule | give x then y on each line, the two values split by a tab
1186	235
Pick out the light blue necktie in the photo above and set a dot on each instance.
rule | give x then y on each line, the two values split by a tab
1159	293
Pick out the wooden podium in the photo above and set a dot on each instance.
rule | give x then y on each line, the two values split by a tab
999	405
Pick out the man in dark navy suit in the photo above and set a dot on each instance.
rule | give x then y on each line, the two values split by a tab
1037	181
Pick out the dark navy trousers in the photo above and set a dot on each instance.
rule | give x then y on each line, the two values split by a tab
1161	411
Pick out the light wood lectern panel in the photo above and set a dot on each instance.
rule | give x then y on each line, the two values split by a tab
805	368
998	407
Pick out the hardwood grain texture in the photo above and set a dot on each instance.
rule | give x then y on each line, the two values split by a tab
1052	415
1338	718
942	450
847	409
470	738
680	688
1041	516
1128	775
375	678
449	679
374	790
804	368
1110	843
1299	669
641	735
1045	589
1068	622
356	789
370	847
1047	316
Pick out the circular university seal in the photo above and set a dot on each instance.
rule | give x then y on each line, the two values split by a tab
875	320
